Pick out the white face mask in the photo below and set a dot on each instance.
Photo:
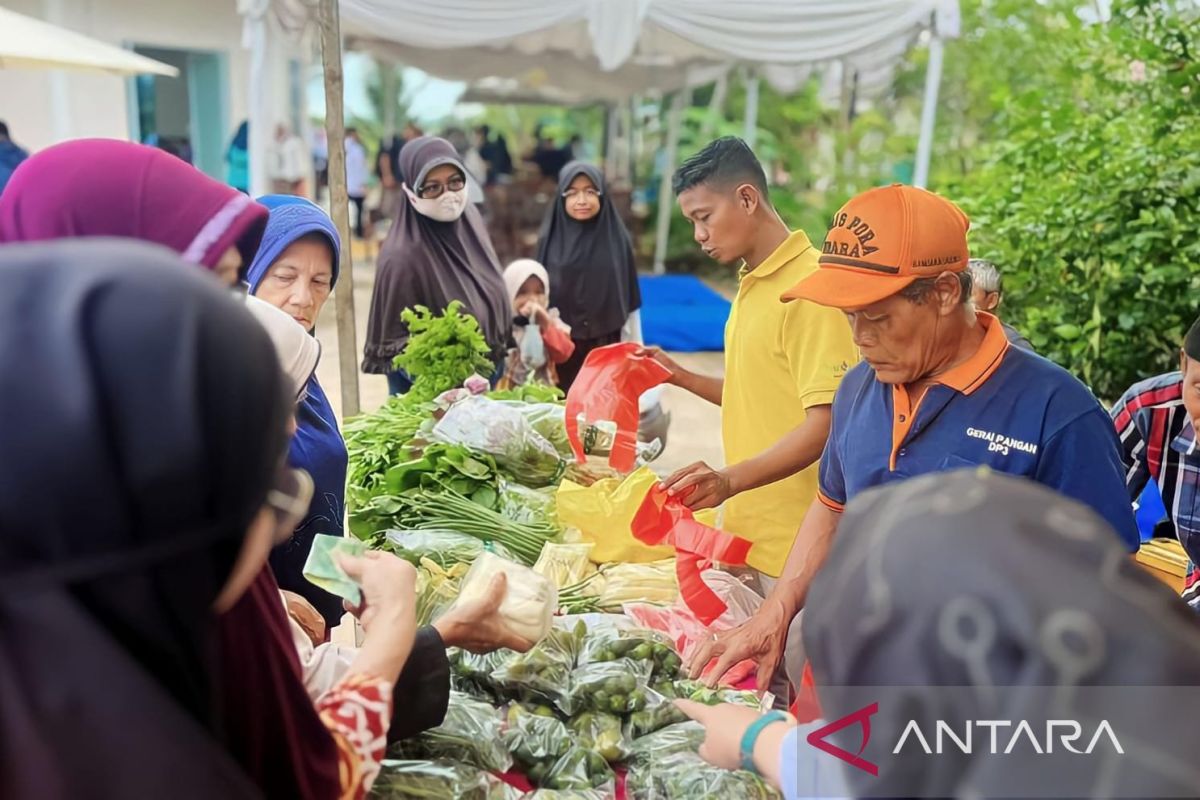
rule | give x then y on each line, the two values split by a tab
446	208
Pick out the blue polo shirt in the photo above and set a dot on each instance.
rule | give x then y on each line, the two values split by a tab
1005	408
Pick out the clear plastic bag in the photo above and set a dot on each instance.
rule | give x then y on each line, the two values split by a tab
470	733
425	780
601	733
530	506
568	794
684	775
530	599
472	673
443	547
543	675
548	419
437	589
652	583
614	687
698	692
658	713
535	737
682	737
636	644
578	769
565	564
533	349
504	432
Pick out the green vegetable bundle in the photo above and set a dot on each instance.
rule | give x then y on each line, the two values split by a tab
442	351
682	737
472	673
549	420
470	733
377	441
615	687
568	794
529	506
443	547
502	431
427	510
447	467
601	733
436	780
694	690
640	645
684	775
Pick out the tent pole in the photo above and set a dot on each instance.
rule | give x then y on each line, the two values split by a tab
933	81
387	77
716	107
339	203
674	120
261	127
750	132
610	141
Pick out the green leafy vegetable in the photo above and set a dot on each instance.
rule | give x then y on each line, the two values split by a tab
442	351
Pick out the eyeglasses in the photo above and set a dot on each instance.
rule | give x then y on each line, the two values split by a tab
432	191
289	499
590	194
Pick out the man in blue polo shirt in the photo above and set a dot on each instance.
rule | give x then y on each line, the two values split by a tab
939	388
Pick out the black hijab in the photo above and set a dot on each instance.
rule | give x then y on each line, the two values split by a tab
140	435
590	263
988	597
428	263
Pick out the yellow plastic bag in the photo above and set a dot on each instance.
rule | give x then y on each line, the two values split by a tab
603	513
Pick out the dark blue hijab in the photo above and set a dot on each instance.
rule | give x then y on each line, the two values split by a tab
317	446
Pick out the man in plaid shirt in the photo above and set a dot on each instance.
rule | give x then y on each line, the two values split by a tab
1157	420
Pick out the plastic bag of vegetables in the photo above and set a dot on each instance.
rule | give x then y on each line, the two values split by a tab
683	775
549	420
437	589
654	583
529	601
614	687
579	769
504	433
536	739
529	506
568	794
434	780
682	737
443	547
694	690
601	733
470	734
472	673
637	644
658	713
565	564
542	675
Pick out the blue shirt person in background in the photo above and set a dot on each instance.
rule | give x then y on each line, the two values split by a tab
10	155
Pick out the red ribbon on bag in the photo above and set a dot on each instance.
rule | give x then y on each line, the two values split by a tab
662	519
607	388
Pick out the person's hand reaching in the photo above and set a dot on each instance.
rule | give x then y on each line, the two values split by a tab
761	638
387	611
661	357
700	486
477	626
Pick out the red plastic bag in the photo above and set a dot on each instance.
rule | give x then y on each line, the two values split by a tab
607	388
663	519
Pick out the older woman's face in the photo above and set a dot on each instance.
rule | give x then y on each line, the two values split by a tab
582	199
300	280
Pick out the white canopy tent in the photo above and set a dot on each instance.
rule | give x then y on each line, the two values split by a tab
29	42
611	49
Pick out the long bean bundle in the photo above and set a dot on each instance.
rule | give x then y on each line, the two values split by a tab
423	510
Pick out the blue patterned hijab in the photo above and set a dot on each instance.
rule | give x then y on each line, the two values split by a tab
317	446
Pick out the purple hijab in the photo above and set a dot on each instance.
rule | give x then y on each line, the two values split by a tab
106	187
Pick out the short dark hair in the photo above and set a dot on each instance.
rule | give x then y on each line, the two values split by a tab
722	162
920	289
3	129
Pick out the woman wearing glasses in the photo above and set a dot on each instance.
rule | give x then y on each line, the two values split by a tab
151	408
436	252
589	255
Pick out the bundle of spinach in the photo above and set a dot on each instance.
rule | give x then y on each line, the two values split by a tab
376	441
447	466
442	351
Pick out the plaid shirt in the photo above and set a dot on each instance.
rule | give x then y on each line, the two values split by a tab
1158	443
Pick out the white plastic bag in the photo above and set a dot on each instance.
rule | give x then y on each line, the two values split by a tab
533	349
529	603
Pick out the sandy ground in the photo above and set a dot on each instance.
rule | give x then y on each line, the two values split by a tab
695	433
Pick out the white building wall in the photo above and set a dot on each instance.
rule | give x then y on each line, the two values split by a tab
99	105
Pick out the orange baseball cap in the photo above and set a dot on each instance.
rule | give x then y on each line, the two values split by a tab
881	241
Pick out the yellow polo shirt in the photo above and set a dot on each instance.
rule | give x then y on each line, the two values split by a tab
780	359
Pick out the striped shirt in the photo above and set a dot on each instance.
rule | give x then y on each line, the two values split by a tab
1158	443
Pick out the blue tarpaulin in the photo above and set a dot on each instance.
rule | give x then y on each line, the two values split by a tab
682	314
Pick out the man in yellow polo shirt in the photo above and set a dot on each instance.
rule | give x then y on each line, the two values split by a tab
783	361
